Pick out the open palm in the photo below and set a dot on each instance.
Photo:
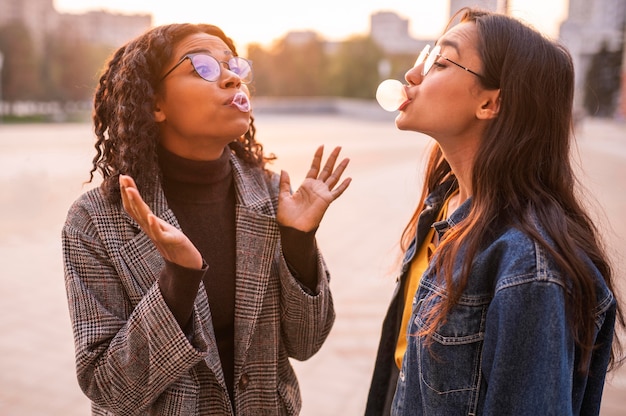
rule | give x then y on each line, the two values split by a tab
304	209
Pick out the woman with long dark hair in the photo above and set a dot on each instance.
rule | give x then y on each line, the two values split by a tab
506	304
192	272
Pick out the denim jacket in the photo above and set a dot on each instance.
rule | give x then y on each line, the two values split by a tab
505	348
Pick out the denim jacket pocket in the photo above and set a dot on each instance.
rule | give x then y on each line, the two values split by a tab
449	365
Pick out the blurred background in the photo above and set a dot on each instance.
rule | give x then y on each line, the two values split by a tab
317	66
51	51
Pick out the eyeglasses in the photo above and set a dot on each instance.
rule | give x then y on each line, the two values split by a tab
429	58
210	69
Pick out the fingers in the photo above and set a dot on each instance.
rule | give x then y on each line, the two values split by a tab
335	176
330	165
336	193
284	187
328	175
133	203
316	163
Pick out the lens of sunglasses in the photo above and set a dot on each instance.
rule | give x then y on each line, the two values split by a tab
242	68
206	66
210	69
423	54
430	60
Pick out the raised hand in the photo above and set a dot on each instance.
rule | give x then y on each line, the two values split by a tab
304	209
172	243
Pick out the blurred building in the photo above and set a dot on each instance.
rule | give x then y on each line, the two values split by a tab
391	31
106	28
493	5
590	25
102	27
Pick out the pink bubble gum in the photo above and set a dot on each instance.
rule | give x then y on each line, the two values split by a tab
241	102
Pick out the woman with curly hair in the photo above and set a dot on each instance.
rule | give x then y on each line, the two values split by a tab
505	303
192	272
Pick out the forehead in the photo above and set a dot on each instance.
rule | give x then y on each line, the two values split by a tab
462	38
202	42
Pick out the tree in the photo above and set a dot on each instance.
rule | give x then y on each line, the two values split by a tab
353	70
262	68
73	66
297	67
20	80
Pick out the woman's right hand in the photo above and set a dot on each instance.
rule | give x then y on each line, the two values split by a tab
171	242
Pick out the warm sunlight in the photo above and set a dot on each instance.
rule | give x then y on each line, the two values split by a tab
262	22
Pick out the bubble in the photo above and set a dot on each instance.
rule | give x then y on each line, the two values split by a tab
241	102
390	94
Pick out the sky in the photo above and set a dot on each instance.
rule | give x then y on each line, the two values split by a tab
263	21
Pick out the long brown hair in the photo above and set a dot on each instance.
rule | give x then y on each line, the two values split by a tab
522	175
127	134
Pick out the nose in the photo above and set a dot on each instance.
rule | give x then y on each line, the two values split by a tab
414	75
229	78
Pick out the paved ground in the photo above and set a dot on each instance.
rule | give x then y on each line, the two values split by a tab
44	166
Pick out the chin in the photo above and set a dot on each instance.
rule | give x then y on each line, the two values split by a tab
400	122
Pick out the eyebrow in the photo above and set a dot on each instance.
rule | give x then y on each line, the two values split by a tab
451	44
204	50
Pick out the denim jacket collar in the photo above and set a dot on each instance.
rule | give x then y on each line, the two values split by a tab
457	216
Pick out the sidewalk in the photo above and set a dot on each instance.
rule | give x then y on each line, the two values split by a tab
44	167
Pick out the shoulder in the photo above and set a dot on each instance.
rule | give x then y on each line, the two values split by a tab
89	204
514	258
92	214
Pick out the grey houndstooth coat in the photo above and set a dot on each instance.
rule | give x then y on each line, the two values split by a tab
132	357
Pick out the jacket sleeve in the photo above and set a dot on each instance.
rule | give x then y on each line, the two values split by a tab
529	353
306	318
127	354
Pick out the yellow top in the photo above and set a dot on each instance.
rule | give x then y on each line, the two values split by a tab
417	268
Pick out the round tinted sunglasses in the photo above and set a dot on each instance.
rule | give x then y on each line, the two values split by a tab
210	69
429	58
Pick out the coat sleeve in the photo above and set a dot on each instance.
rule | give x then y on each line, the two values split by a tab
306	318
126	354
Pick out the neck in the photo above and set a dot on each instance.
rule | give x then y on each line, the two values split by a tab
197	151
461	160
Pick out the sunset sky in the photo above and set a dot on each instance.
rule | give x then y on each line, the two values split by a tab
263	21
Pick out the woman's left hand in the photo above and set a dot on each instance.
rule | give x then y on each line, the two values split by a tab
304	209
173	245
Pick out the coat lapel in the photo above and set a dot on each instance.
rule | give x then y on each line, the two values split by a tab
144	263
257	238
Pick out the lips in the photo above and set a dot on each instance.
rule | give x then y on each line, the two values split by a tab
404	105
241	102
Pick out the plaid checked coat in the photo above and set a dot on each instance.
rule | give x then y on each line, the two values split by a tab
132	357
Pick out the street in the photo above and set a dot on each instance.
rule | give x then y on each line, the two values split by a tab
45	166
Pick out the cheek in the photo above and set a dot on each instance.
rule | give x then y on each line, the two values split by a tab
188	103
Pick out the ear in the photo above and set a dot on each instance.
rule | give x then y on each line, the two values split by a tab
490	105
159	115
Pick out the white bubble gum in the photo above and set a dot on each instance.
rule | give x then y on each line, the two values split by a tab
391	94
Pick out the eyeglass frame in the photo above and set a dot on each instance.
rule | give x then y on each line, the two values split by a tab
219	65
426	53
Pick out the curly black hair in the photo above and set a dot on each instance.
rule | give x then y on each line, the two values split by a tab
124	100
